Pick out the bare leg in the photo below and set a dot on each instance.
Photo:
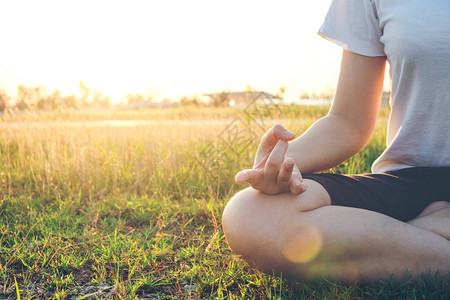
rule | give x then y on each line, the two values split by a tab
286	234
436	218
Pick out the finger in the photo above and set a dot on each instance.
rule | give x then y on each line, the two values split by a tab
277	132
284	177
296	184
297	187
296	175
252	176
262	162
273	164
270	139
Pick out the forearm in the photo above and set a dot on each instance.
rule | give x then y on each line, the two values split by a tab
328	142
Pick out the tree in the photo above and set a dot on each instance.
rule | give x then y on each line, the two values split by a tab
69	102
221	99
187	101
281	91
92	98
305	95
28	97
3	100
135	98
50	102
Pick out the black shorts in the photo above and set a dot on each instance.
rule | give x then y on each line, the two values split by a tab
401	194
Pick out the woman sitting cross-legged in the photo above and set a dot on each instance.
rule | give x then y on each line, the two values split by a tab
392	222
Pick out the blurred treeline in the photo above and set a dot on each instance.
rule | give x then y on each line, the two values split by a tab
37	98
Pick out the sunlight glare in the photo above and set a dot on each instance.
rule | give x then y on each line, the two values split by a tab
174	47
303	247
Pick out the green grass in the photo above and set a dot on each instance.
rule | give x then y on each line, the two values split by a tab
138	209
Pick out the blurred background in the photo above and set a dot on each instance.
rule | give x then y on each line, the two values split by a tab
124	52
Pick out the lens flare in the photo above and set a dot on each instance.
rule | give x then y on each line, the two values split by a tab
303	247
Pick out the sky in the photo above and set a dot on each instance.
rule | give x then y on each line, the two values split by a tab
166	48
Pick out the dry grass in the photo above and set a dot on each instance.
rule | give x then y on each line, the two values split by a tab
133	210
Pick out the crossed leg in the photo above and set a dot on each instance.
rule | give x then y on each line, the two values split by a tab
304	237
436	218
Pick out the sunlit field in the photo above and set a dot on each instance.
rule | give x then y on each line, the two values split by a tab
128	204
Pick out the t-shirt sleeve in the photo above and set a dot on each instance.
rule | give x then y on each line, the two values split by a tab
353	24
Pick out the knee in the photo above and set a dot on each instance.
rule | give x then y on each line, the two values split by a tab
251	229
251	218
259	227
237	219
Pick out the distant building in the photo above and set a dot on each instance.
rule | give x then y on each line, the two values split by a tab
242	99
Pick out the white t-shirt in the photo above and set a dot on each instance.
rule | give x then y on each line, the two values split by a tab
414	35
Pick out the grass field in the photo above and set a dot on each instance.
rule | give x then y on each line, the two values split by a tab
132	210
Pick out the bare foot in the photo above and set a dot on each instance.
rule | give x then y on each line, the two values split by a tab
436	218
433	207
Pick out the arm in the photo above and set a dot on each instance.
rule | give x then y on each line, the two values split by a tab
351	120
342	133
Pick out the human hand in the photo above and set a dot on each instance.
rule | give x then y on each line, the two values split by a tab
273	173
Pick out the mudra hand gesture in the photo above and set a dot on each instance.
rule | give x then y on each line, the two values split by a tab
273	172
